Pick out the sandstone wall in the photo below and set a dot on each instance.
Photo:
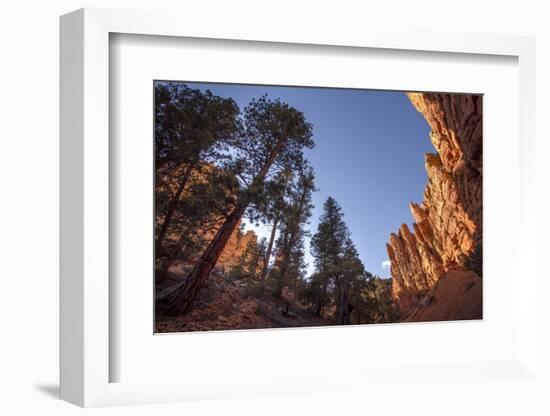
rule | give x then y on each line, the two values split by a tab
447	233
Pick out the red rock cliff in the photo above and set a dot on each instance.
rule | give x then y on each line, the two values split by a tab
440	259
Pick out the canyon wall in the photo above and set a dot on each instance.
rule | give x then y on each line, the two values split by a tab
436	267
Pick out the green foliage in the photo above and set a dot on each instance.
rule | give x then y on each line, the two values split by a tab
251	260
209	159
214	164
329	243
316	293
193	130
248	268
289	267
192	188
374	302
341	283
336	263
272	141
191	125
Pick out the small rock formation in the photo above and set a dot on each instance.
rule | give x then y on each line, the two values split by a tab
236	246
445	243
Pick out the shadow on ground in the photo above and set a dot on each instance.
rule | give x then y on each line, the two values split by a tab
51	390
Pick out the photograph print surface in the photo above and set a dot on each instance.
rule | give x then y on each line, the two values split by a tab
285	206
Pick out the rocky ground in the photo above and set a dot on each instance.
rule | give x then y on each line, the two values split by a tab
223	304
456	296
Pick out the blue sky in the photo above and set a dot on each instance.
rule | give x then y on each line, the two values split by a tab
368	155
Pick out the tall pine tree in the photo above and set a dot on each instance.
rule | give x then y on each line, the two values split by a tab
289	265
274	211
273	137
193	130
338	270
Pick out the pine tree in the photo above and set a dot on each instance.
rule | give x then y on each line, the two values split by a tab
249	262
327	248
274	136
256	259
339	272
199	212
348	282
373	302
289	266
192	133
274	211
315	292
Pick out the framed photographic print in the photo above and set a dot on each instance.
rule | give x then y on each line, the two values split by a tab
236	208
274	206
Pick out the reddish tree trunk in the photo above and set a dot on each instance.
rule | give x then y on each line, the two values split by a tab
181	302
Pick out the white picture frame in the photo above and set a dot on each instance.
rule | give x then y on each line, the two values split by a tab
85	217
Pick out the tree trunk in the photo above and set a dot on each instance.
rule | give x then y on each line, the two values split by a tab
172	209
271	241
343	307
283	267
288	244
286	308
317	310
268	254
181	302
280	283
340	306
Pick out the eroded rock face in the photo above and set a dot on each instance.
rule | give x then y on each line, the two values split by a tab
447	232
236	247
